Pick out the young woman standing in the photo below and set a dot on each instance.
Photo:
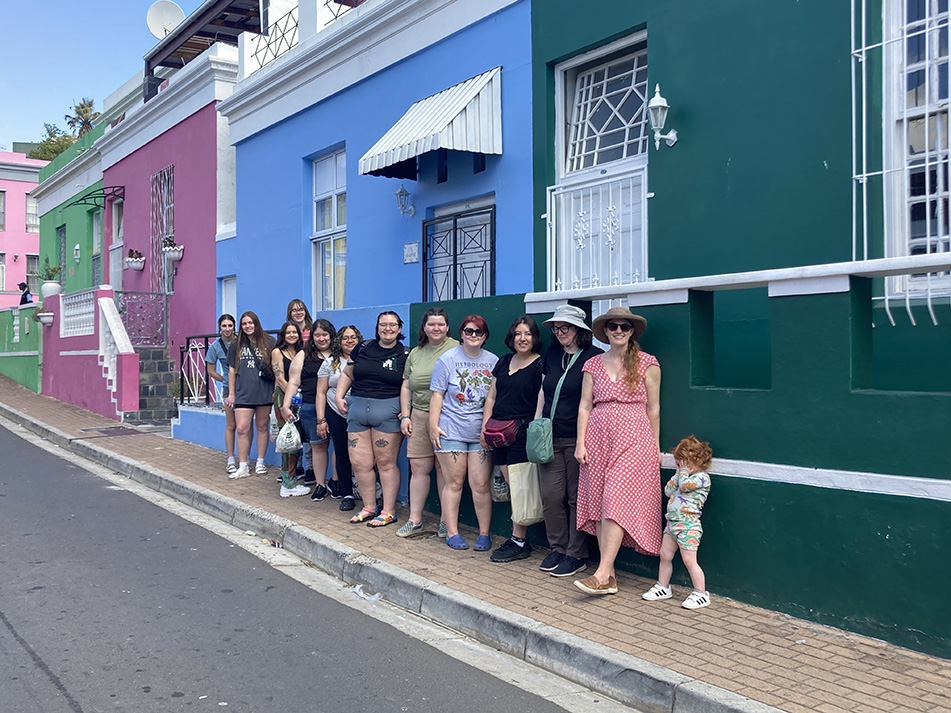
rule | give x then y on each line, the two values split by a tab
289	343
216	367
329	419
250	390
373	425
432	342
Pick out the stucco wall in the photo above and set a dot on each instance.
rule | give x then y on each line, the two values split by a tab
190	146
274	178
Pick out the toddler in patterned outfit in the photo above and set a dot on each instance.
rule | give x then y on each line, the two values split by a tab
686	492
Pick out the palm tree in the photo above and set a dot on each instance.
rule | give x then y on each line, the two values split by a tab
83	116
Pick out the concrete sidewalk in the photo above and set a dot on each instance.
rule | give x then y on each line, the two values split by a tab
728	657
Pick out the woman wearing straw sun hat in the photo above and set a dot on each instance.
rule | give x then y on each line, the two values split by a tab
619	495
561	373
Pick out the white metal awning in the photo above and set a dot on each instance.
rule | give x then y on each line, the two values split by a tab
466	117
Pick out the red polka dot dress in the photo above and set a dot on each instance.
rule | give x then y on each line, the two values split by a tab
621	480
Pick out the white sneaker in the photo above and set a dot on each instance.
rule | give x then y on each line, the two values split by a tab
295	491
696	600
240	472
656	593
260	468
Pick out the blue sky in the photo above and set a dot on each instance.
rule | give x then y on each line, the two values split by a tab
56	52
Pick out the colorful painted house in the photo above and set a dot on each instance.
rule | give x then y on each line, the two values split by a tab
791	255
19	225
785	232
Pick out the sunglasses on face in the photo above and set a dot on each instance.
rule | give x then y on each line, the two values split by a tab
469	332
561	330
625	327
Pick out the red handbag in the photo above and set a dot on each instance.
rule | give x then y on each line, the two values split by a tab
500	434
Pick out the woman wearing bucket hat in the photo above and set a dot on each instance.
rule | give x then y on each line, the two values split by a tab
566	356
619	495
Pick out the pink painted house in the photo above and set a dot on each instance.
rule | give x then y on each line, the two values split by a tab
168	173
19	226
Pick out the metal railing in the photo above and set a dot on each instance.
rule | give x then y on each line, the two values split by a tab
145	316
78	313
194	385
597	232
281	37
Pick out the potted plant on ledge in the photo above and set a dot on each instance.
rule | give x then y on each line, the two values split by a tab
172	251
49	278
134	260
44	318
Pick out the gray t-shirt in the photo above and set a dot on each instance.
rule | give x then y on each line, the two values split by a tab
333	376
464	383
251	388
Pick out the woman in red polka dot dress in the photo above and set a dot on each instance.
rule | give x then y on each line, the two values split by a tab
619	495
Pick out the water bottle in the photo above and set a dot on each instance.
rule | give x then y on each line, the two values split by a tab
297	398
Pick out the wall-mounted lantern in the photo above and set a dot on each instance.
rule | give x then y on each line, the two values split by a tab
402	202
657	108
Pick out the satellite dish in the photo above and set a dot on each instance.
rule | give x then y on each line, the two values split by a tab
163	17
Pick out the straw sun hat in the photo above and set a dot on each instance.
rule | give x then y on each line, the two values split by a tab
618	314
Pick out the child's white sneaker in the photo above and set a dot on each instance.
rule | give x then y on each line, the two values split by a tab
696	600
656	593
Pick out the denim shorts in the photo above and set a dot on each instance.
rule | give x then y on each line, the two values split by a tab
308	421
379	414
451	446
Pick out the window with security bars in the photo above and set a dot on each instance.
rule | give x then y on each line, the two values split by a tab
162	228
608	110
459	255
3	271
329	235
597	215
902	182
32	215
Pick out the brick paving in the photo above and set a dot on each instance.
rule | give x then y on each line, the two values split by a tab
794	665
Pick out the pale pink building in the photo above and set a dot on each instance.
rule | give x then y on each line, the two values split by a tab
19	226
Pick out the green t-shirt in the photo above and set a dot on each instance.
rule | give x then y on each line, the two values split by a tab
419	370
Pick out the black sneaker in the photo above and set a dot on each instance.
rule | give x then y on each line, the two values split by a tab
334	487
551	561
320	492
309	477
569	566
347	503
510	551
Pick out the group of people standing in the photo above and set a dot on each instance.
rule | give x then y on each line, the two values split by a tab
368	395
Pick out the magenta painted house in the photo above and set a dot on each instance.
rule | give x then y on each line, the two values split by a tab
168	176
19	226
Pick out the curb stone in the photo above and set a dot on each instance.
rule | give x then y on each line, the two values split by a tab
627	679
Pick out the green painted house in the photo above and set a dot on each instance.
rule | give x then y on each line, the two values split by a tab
71	213
791	254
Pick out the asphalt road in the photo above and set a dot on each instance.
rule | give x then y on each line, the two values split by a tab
108	602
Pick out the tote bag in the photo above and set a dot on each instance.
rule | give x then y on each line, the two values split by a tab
539	438
526	494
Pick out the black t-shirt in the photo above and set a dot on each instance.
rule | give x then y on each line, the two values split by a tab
378	372
308	379
516	395
565	423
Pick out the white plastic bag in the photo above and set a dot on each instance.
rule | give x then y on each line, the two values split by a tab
526	494
288	440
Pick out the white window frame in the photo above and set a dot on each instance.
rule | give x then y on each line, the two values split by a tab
3	210
116	245
899	166
333	236
625	176
32	211
229	295
32	276
3	271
